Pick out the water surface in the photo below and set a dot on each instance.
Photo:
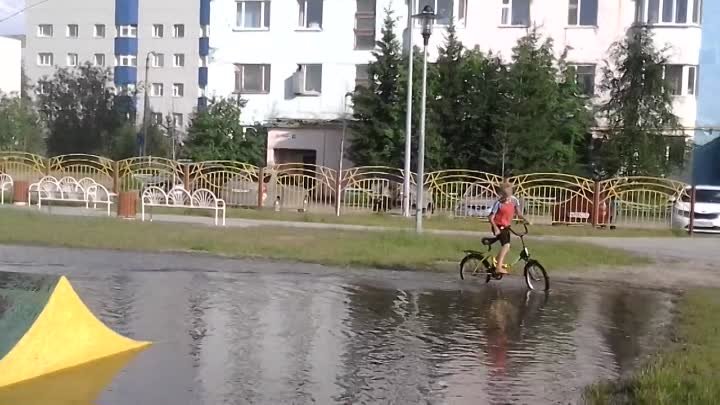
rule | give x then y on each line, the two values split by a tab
251	332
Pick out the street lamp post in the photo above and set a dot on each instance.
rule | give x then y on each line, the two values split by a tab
408	116
146	103
427	18
338	186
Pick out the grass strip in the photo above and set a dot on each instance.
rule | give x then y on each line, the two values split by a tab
391	249
687	373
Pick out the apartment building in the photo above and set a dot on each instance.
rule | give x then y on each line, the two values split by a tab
295	60
122	35
10	70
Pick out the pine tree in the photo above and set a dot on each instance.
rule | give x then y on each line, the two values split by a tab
545	114
217	134
482	106
447	106
379	127
638	114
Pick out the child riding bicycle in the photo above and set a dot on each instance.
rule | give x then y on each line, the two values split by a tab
501	217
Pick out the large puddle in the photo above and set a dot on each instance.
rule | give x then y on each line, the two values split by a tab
236	332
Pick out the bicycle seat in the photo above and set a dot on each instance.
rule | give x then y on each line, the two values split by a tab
489	241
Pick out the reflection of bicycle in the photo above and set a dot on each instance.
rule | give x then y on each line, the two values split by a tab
477	263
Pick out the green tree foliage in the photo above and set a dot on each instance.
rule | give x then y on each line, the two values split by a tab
545	117
481	104
381	108
379	126
638	114
447	105
482	114
217	134
20	128
80	111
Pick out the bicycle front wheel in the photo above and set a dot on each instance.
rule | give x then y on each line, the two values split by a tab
536	277
472	266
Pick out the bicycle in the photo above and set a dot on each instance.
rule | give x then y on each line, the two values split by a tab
476	263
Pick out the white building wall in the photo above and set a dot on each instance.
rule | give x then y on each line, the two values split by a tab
11	68
283	46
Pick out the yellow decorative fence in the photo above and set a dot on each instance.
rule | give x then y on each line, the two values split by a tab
550	198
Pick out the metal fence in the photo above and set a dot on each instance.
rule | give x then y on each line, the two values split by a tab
545	197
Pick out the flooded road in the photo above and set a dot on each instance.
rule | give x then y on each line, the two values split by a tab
252	332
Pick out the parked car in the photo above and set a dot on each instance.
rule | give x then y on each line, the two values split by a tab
579	209
707	210
475	207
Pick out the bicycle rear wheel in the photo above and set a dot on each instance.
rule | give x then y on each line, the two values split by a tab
536	277
472	266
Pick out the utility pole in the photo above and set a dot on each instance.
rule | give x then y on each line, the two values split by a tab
408	116
146	104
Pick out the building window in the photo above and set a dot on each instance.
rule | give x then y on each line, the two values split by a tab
310	14
178	90
668	11
45	30
308	79
99	31
43	87
585	78
362	79
365	25
515	13
156	90
127	60
583	12
157	60
443	9
156	118
252	78
72	31
45	59
179	60
177	120
158	30
692	80
681	80
99	59
179	30
252	14
462	10
127	31
72	59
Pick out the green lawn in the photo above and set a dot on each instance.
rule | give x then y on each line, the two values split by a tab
687	373
396	250
438	222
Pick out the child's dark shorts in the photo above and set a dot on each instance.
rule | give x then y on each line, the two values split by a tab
504	236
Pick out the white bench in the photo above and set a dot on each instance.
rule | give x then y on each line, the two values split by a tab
178	197
6	184
68	189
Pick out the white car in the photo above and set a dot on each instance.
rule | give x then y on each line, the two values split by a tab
707	210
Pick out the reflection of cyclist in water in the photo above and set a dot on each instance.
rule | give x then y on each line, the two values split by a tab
505	324
500	320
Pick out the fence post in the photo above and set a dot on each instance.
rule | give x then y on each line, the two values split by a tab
338	192
691	225
186	175
47	166
595	217
116	176
261	183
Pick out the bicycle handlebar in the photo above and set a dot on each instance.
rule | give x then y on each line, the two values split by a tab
525	225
